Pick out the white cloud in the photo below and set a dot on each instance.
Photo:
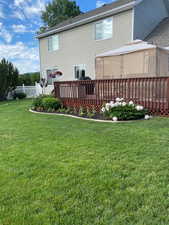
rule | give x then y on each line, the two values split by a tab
99	3
2	15
21	28
28	8
18	15
35	9
26	59
25	66
19	2
5	34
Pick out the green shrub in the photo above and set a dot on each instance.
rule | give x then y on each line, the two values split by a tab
37	102
47	103
81	111
19	95
62	110
91	113
51	103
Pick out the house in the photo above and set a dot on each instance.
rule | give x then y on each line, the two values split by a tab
72	46
160	35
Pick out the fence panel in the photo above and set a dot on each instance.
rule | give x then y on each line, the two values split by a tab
152	93
34	91
30	91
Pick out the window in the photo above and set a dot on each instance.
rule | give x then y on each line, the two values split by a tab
104	29
79	72
53	43
49	75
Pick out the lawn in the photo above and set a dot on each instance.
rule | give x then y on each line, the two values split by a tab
63	171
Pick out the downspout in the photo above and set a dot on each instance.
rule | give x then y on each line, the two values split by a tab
133	20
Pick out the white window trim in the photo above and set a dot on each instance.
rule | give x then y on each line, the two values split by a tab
94	33
52	46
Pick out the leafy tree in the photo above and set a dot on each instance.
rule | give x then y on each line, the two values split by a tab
28	79
8	78
59	10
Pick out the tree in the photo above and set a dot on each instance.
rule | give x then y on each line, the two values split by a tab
28	79
8	78
57	11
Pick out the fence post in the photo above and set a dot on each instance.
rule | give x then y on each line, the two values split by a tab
167	95
128	90
57	89
23	87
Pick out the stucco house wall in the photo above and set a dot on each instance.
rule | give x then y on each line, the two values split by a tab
78	46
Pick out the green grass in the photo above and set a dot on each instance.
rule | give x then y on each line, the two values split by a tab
63	171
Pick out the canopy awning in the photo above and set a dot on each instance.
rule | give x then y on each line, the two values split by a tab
134	46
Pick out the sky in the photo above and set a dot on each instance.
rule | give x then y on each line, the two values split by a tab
19	22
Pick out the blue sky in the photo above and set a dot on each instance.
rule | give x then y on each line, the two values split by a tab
19	21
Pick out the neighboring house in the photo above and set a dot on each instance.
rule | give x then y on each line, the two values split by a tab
160	35
71	47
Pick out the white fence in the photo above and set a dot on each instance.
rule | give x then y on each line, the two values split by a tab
34	91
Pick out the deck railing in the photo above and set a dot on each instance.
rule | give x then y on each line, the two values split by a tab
152	93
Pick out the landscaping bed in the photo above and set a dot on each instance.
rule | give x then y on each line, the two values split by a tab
118	110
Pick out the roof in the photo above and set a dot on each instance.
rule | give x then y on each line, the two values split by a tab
99	13
160	35
134	46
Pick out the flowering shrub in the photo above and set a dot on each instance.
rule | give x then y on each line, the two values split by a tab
121	110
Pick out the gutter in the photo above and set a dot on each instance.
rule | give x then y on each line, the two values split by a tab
90	19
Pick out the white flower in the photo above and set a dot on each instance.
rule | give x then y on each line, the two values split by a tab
107	106
111	104
118	99
139	108
124	104
147	117
103	109
131	103
115	119
116	104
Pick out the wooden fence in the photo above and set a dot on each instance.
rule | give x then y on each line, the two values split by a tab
152	93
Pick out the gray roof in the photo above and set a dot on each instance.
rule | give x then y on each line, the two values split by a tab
94	15
160	35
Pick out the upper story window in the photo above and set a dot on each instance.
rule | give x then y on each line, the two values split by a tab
104	29
53	43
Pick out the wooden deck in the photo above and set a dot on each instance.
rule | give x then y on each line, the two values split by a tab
152	93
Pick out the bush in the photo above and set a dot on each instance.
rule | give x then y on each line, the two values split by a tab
51	103
120	110
37	102
19	95
47	103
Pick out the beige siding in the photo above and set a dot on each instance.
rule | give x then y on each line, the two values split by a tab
78	46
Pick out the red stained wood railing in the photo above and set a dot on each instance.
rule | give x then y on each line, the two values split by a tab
152	93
